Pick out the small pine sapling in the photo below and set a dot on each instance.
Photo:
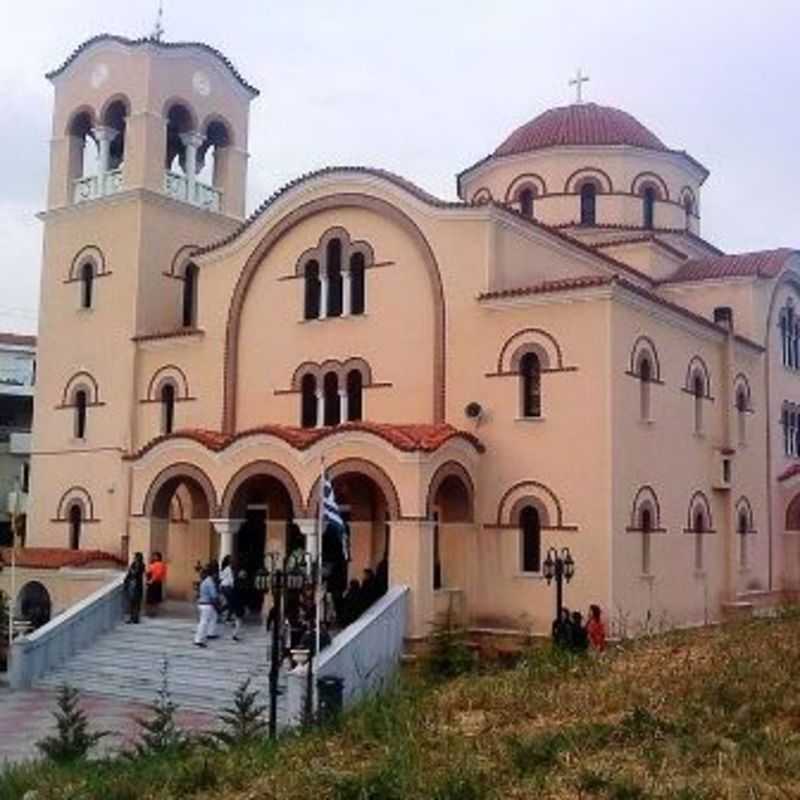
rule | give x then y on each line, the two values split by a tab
72	740
243	722
160	731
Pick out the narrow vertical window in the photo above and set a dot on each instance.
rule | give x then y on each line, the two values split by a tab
785	425
784	326
588	203
699	530
687	211
646	524
645	376
313	289
75	524
649	207
167	408
190	296
698	387
744	526
81	401
334	267
741	415
330	387
530	385
308	408
357	286
354	395
87	285
526	203
530	527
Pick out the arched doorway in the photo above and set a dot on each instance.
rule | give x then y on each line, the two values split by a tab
180	503
450	506
33	604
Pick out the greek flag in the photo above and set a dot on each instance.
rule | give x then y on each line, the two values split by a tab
332	516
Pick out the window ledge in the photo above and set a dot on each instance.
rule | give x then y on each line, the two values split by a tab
700	574
528	576
646	423
85	310
647	577
329	319
530	419
698	435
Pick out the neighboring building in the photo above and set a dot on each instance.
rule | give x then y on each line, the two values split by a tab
557	359
17	379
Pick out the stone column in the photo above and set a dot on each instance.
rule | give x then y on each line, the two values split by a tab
346	293
227	529
411	564
342	405
320	408
308	527
104	136
323	292
191	141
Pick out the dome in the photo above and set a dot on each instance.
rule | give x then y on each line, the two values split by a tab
584	124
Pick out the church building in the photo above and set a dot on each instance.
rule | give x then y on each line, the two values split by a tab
557	359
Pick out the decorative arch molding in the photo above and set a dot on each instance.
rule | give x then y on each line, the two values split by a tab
280	229
81	380
526	180
183	256
171	373
91	254
643	347
741	385
81	109
531	492
699	502
481	196
594	174
216	117
265	468
341	368
688	192
349	249
176	100
118	97
447	470
644	179
528	340
698	367
75	495
178	472
361	466
744	509
645	498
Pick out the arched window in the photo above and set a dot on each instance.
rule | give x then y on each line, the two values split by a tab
312	295
354	395
167	408
743	527
87	284
80	402
179	124
115	119
330	387
334	270
82	154
699	530
741	414
530	385
308	407
190	296
526	202
646	526
649	206
212	153
698	390
645	378
357	294
687	211
588	203
530	530
75	524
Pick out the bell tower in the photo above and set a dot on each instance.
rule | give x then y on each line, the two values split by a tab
148	161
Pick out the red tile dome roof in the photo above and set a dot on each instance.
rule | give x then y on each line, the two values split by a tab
584	124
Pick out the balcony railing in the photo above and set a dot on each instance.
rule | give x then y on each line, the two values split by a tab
177	186
94	186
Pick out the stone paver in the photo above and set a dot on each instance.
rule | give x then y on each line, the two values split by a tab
26	717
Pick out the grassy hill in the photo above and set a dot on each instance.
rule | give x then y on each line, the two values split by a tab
709	713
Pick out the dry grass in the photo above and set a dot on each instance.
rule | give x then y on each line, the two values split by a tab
711	713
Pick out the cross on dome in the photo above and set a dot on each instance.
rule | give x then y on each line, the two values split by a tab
578	82
158	28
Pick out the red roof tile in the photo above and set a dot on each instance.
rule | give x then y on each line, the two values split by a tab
584	124
762	264
17	339
408	438
58	557
789	472
562	285
641	239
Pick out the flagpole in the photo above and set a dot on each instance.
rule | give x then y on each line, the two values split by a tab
320	530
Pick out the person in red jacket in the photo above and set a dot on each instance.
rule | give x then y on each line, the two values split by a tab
595	629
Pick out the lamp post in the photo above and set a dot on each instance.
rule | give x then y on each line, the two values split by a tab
279	575
561	566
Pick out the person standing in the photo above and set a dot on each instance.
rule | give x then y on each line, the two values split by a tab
227	579
596	629
237	601
134	588
207	604
156	576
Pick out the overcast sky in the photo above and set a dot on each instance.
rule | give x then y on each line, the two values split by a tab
427	88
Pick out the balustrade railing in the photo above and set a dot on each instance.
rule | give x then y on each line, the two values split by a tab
178	187
94	186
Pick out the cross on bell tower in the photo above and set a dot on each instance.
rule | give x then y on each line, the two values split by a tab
578	82
158	28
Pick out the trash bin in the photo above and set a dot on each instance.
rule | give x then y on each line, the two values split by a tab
330	696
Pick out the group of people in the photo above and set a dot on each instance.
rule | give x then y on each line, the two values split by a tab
571	633
359	597
144	583
222	592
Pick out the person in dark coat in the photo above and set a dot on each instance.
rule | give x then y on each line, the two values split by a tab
335	563
579	639
369	590
134	587
562	629
351	604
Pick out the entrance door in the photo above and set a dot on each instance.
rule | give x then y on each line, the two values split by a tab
251	542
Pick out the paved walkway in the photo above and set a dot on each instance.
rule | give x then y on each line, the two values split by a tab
26	717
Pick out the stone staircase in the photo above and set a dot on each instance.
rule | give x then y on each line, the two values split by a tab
126	663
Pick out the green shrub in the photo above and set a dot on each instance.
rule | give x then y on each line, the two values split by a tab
72	740
243	722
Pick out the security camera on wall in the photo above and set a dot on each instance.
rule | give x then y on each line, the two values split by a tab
474	411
